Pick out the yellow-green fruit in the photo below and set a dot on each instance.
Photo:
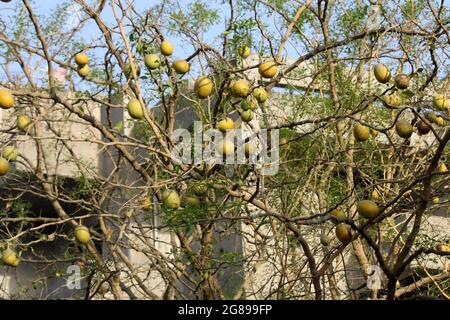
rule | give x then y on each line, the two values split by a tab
361	133
373	132
81	59
435	200
227	148
283	141
368	209
166	48
325	240
82	234
240	88
203	87
344	233
249	149
247	115
404	129
382	73
248	105
401	81
440	121
135	109
171	199
10	153
129	71
393	100
23	122
6	99
430	116
181	66
244	51
200	188
260	94
225	124
9	257
442	167
443	248
146	203
375	195
268	69
441	102
83	71
4	166
152	61
192	201
338	214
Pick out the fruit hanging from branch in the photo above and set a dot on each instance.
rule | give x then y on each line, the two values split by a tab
166	48
152	61
382	73
268	69
240	88
441	102
181	66
82	234
404	129
203	87
171	199
401	81
361	132
135	109
368	209
260	94
6	99
344	233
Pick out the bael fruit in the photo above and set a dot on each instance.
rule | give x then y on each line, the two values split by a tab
83	71
166	48
227	148
430	116
382	73
401	81
422	127
249	149
135	109
4	166
404	129
440	121
361	133
240	88
267	69
6	99
442	167
81	59
181	66
203	87
23	122
435	200
128	70
440	102
260	94
247	115
10	153
171	199
244	51
225	124
152	61
338	214
9	257
368	209
248	104
344	233
82	234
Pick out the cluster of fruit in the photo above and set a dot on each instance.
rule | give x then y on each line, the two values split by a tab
403	128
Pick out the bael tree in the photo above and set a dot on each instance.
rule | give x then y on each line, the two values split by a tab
357	89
